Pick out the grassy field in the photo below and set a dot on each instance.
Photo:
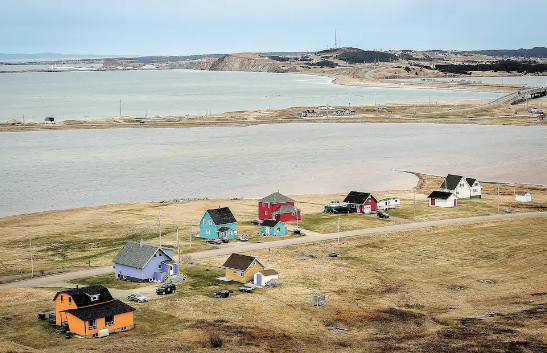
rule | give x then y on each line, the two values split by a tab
398	292
328	223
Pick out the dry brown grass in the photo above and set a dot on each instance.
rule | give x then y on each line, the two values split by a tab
400	292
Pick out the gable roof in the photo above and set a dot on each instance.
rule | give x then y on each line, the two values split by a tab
240	262
137	256
440	195
221	215
451	181
523	193
358	197
285	209
81	296
94	312
224	229
276	197
270	222
269	272
470	181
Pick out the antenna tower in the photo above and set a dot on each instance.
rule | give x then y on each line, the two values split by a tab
335	40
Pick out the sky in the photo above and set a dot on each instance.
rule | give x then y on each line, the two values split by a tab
182	27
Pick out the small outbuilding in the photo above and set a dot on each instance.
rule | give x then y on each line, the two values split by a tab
49	120
261	278
388	203
272	227
443	199
241	268
523	197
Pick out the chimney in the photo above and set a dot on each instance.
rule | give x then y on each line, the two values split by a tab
219	206
76	286
141	243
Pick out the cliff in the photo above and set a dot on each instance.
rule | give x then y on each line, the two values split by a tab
248	62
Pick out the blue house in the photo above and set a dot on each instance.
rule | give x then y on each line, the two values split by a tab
217	223
140	262
272	227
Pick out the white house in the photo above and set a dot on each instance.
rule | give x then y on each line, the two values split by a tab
523	197
463	188
264	276
442	199
388	203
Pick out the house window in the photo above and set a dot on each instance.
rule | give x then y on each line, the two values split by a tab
230	232
109	321
461	185
242	274
279	229
210	222
235	272
159	254
293	213
159	267
92	324
266	213
474	190
94	297
156	255
208	232
62	299
204	221
69	300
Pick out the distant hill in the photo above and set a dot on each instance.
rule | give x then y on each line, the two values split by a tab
536	52
47	56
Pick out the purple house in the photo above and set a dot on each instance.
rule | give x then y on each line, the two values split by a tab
140	262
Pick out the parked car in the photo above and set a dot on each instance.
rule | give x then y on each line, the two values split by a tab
225	240
166	288
243	237
246	287
214	241
296	231
382	214
256	222
224	293
137	297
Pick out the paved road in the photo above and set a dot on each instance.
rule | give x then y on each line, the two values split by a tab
245	247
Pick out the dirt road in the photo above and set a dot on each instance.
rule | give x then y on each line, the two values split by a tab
245	247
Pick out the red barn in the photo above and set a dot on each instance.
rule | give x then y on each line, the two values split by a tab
277	206
361	202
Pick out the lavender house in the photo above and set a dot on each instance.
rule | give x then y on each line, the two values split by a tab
140	262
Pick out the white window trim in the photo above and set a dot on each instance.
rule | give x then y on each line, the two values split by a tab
208	232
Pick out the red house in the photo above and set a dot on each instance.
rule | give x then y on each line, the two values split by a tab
361	202
279	207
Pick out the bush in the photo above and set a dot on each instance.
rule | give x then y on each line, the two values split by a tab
215	340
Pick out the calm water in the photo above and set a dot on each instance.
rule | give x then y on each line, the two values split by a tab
62	169
91	95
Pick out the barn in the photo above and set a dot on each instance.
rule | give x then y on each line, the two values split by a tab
443	199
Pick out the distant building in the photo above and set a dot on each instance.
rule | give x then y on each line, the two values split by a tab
361	202
463	188
279	207
140	262
217	223
308	113
242	268
388	203
442	199
523	197
49	120
272	227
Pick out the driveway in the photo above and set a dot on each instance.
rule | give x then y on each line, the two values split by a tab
245	247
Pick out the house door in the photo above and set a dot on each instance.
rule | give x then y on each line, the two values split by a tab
258	279
455	202
433	202
366	209
171	270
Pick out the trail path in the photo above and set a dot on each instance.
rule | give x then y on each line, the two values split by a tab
310	237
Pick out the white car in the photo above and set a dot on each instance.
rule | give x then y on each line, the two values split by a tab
137	297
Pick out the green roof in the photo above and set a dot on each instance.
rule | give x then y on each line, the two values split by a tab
451	181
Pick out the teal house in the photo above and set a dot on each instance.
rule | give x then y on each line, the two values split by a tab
218	223
272	227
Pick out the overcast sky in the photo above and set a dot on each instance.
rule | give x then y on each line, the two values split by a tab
180	27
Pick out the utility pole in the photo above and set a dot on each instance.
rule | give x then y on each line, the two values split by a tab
120	108
414	216
338	228
178	242
31	259
498	198
159	224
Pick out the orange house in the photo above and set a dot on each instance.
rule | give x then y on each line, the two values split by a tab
88	310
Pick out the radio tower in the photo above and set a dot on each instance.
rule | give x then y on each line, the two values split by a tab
335	40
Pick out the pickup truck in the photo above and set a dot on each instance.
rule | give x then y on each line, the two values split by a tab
214	241
166	288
